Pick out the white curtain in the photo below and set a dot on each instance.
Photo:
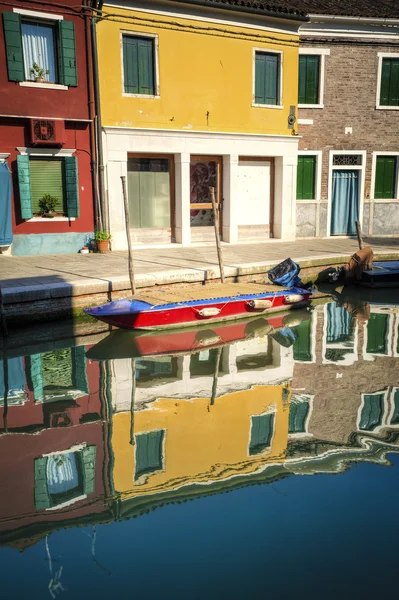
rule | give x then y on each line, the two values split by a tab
38	47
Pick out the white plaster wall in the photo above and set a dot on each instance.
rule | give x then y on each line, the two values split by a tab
120	141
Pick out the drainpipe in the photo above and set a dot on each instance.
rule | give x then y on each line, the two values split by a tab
100	152
98	220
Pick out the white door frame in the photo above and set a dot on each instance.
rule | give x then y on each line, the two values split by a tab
331	167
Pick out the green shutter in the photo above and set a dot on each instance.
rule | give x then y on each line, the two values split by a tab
36	376
149	452
47	177
67	53
138	65
306	178
297	417
24	186
302	345
377	333
79	369
13	41
89	469
42	497
262	427
267	78
395	416
309	69
372	411
385	177
389	93
71	186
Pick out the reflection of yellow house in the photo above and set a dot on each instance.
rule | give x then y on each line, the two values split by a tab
179	443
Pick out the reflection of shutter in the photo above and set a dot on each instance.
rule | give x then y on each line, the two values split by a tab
302	343
46	177
80	376
149	452
13	40
67	54
297	417
261	433
372	412
42	497
36	376
24	186
395	416
377	329
71	184
89	469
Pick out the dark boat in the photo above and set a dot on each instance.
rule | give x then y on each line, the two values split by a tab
382	275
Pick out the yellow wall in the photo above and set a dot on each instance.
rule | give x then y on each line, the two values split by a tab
202	443
210	70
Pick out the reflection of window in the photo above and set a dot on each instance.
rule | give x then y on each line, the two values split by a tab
64	477
395	415
299	410
372	411
302	344
158	369
259	360
340	338
149	193
50	43
149	452
59	375
204	362
16	392
262	427
139	65
377	333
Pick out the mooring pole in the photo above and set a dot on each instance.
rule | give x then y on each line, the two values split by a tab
217	236
129	241
359	234
132	401
215	376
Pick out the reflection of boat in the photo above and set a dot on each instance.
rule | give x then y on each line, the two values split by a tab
123	344
168	309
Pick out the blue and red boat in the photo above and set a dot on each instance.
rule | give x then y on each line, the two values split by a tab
193	306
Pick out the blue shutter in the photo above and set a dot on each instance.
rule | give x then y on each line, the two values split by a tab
25	195
13	41
71	185
67	53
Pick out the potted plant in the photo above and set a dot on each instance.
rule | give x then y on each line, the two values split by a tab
38	72
47	205
102	238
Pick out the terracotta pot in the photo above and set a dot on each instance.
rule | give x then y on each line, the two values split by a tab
103	246
39	79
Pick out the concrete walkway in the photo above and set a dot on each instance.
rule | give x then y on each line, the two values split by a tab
34	278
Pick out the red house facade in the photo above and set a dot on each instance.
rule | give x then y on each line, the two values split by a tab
46	128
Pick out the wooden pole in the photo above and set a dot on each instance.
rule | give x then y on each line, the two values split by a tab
215	376
132	402
3	322
217	236
129	241
359	234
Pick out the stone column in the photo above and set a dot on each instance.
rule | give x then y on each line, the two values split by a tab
285	198
229	194
182	197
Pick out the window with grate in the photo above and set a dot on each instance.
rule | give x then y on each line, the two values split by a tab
352	160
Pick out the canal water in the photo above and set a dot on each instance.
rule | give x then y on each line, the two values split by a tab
253	460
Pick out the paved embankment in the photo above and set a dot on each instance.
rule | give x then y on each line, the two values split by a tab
39	287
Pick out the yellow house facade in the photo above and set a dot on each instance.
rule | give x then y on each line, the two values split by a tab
178	443
194	96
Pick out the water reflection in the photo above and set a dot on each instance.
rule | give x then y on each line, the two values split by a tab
91	433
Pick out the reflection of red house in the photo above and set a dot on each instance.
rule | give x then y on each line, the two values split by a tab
45	125
53	459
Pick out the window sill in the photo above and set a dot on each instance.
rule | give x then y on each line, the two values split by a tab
126	95
279	106
47	86
381	107
385	200
310	105
46	220
303	200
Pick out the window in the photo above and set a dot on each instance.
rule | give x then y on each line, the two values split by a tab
389	86
47	42
309	75
302	344
377	334
139	65
385	177
267	79
306	178
262	427
58	177
64	477
372	411
149	452
299	410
